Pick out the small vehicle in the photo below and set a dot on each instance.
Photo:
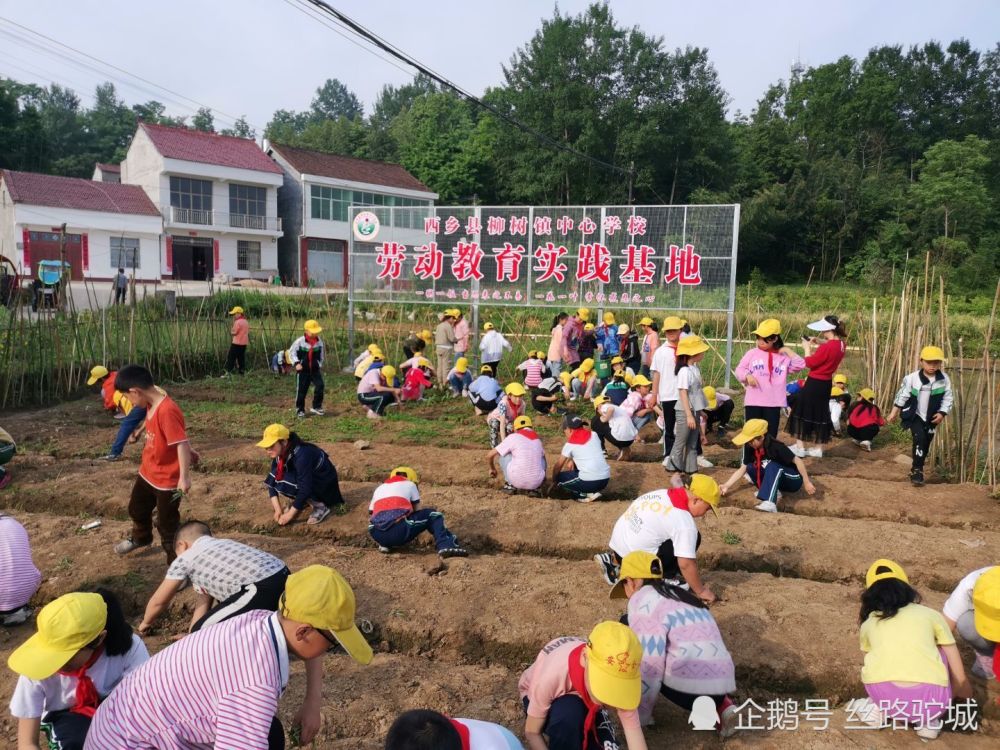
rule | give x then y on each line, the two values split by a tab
48	284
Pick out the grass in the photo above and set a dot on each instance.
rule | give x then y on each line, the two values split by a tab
729	537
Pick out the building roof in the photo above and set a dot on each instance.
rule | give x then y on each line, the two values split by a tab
77	193
116	168
208	148
349	168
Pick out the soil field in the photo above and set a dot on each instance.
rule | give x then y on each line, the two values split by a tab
456	636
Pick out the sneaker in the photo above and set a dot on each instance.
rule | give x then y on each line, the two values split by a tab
372	415
917	478
814	452
866	445
300	414
609	571
866	711
983	667
588	498
16	617
767	506
111	457
534	493
465	393
669	465
127	545
447	552
797	451
704	463
729	721
317	412
384	550
509	489
318	516
928	732
119	416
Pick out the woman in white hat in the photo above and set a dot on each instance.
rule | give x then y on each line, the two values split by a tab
810	417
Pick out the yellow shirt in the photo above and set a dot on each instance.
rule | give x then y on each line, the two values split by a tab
904	648
360	370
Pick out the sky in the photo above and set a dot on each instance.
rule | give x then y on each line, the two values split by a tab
251	57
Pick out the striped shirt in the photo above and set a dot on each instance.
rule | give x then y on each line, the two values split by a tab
533	370
222	567
19	578
217	688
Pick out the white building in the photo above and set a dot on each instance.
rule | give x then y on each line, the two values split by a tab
108	226
107	172
218	196
313	203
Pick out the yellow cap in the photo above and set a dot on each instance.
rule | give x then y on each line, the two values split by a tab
487	326
96	373
454	312
425	335
587	365
608	318
589	327
599	400
840	379
461	365
405	471
485	370
646	321
753	428
313	327
623	329
986	604
376	358
894	571
272	434
640	380
672	323
374	349
867	394
64	627
423	362
583	313
932	354
521	422
768	328
319	596
638	564
836	392
613	659
707	489
514	389
236	310
617	361
691	345
389	373
709	392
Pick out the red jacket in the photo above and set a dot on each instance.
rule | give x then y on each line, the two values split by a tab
865	414
824	361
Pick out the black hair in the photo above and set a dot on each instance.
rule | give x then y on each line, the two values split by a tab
194	527
775	341
558	319
121	270
839	329
682	362
118	641
133	376
572	421
422	729
686	328
419	345
887	597
675	591
655	326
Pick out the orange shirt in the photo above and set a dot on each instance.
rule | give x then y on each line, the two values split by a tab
108	391
165	430
241	331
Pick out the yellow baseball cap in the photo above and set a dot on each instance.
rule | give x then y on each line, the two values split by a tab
589	327
623	329
236	310
485	370
638	564
374	349
423	362
405	471
461	365
388	372
96	373
521	422
600	400
867	394
608	318
707	489
587	365
617	361
673	323
425	335
514	389
646	321
709	392
840	379
986	604
487	326
768	328
835	392
272	434
454	312
691	345
319	596
932	354
640	380
313	327
65	625
753	428
894	571
583	313
613	659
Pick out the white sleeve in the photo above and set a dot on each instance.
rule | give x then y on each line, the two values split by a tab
567	451
960	600
948	398
684	379
684	534
136	657
293	351
28	701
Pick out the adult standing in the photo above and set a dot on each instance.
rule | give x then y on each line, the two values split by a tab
121	286
302	472
19	578
307	355
764	372
572	333
810	417
461	334
557	344
237	357
663	367
650	343
444	344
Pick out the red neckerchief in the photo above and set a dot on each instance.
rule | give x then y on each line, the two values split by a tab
528	433
279	469
758	459
770	363
86	694
513	410
311	340
396	478
678	498
579	436
463	734
578	681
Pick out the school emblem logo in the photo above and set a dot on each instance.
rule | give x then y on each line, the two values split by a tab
366	226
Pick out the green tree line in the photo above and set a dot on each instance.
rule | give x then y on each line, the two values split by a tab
847	170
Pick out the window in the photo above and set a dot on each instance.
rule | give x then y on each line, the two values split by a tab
247	206
191	200
125	252
247	255
329	203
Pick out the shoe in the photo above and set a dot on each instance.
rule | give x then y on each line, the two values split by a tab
866	711
127	545
609	571
300	414
983	667
16	617
318	516
669	465
384	550
917	478
704	463
928	732
814	452
111	457
729	721
866	445
372	415
797	451
317	412
223	376
588	498
447	552
5	480
119	416
465	393
534	493
767	506
509	489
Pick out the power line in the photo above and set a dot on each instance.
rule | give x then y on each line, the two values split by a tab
373	38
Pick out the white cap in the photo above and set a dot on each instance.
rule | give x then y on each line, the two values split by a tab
822	325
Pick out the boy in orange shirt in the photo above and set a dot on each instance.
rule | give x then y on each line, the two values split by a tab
165	471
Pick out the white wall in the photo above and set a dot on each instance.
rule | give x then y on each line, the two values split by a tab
99	244
228	256
9	237
143	166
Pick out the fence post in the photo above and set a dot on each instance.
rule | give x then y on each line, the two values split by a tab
732	295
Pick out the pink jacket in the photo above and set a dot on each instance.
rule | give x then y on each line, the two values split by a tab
770	390
462	336
555	353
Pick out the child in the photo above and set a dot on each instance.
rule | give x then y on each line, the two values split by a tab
769	465
864	419
613	424
240	332
377	390
588	342
414	361
492	347
459	378
973	611
8	449
607	337
533	368
582	469
628	342
840	381
100	373
485	391
546	395
414	345
281	362
461	333
650	343
302	472
365	354
691	398
395	519
764	372
416	380
719	410
307	359
566	689
83	648
912	665
557	353
683	654
508	408
19	578
663	367
924	400
640	402
617	389
165	470
522	459
429	730
580	383
839	400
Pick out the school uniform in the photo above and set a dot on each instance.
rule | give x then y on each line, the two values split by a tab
395	519
370	396
772	469
863	421
19	578
607	339
660	523
483	735
664	362
310	355
592	472
920	398
684	455
722	412
485	392
306	475
617	390
547	387
618	430
508	410
960	610
630	350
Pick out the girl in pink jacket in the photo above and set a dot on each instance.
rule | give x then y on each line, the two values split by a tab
764	372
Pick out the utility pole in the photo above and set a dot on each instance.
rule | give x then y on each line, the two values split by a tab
631	175
62	268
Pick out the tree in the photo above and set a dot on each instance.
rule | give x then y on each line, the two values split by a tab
241	129
155	112
952	184
286	127
333	100
110	124
203	120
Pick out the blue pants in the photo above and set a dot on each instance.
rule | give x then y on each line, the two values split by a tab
405	531
126	427
774	477
564	726
571	482
460	383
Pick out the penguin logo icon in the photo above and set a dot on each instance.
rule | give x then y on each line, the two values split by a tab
703	714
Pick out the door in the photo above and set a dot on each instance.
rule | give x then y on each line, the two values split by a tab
326	262
45	246
192	258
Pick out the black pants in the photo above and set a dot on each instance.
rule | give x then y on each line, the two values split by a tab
671	569
482	404
923	434
237	358
603	431
144	500
276	735
65	729
863	433
721	414
376	400
303	380
263	594
686	700
564	726
668	426
120	295
494	366
771	414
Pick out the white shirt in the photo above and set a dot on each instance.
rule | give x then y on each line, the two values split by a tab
486	736
492	346
689	379
651	520
960	600
620	422
403	488
589	459
32	698
664	361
